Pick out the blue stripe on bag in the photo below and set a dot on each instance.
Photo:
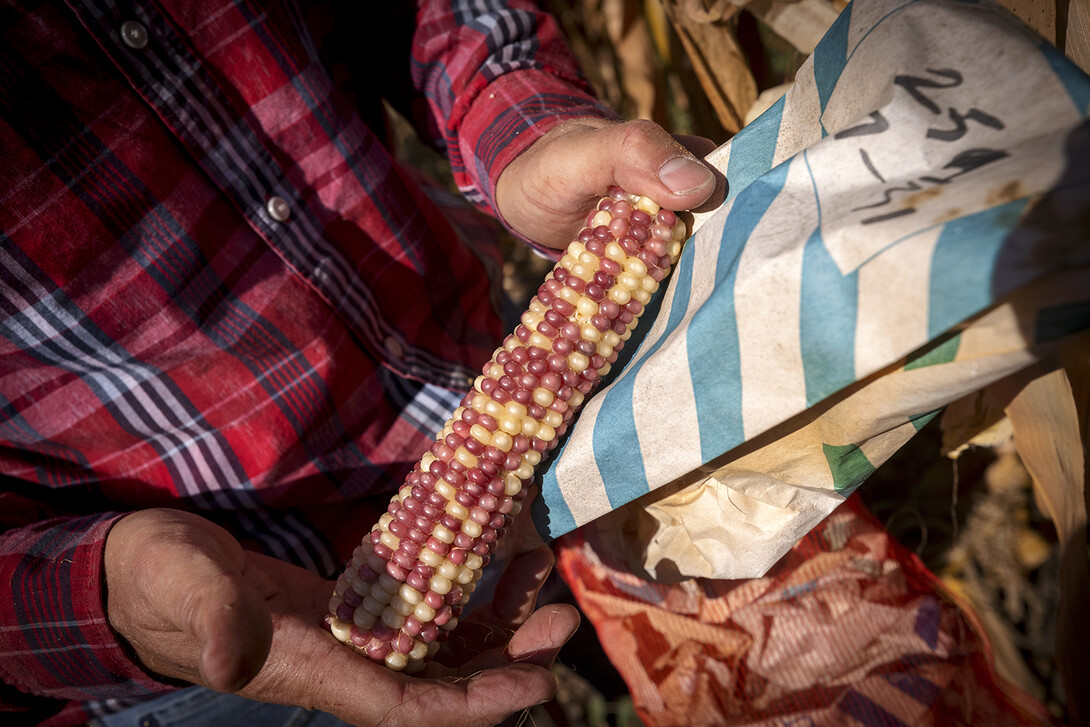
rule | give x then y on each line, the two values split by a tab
625	478
714	357
755	149
830	57
1070	75
962	264
827	319
551	512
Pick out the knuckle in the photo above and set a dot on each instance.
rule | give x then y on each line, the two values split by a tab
639	135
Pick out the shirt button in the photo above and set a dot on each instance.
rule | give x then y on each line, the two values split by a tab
278	209
134	35
394	347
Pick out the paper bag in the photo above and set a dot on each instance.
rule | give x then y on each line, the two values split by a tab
908	224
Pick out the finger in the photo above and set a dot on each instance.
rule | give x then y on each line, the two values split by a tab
516	593
485	698
539	640
319	674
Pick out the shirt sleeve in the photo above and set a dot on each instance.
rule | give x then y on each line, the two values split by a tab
496	77
55	640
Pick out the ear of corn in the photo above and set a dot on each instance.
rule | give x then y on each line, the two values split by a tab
410	578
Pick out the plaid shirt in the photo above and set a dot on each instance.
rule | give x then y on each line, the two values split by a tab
219	292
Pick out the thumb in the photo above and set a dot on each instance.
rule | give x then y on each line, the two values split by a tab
647	160
555	182
230	621
181	594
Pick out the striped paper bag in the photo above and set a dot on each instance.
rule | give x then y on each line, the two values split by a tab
907	225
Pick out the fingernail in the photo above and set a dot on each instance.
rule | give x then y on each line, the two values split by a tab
684	175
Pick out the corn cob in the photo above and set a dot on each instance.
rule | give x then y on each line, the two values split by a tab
410	578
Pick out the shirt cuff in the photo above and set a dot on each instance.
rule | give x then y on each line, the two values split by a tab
511	113
55	638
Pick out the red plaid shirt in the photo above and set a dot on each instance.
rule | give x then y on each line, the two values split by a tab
219	292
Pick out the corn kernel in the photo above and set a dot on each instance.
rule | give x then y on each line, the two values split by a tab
363	619
424	612
615	252
584	272
465	457
543	397
341	630
635	266
439	584
645	204
401	606
429	557
392	618
371	605
501	440
546	433
409	594
619	294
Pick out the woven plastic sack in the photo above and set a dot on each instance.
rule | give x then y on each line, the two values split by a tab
849	628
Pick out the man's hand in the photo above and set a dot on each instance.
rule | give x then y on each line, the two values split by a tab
546	193
195	606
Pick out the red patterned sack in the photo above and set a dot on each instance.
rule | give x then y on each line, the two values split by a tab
848	628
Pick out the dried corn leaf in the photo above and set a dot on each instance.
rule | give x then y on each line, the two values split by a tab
630	37
976	420
1077	46
707	35
1048	433
1037	14
802	23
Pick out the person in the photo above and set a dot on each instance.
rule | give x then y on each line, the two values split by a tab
232	321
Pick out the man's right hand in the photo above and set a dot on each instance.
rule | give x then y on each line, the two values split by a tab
195	606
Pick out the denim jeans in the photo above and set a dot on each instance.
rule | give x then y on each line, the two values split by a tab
200	707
